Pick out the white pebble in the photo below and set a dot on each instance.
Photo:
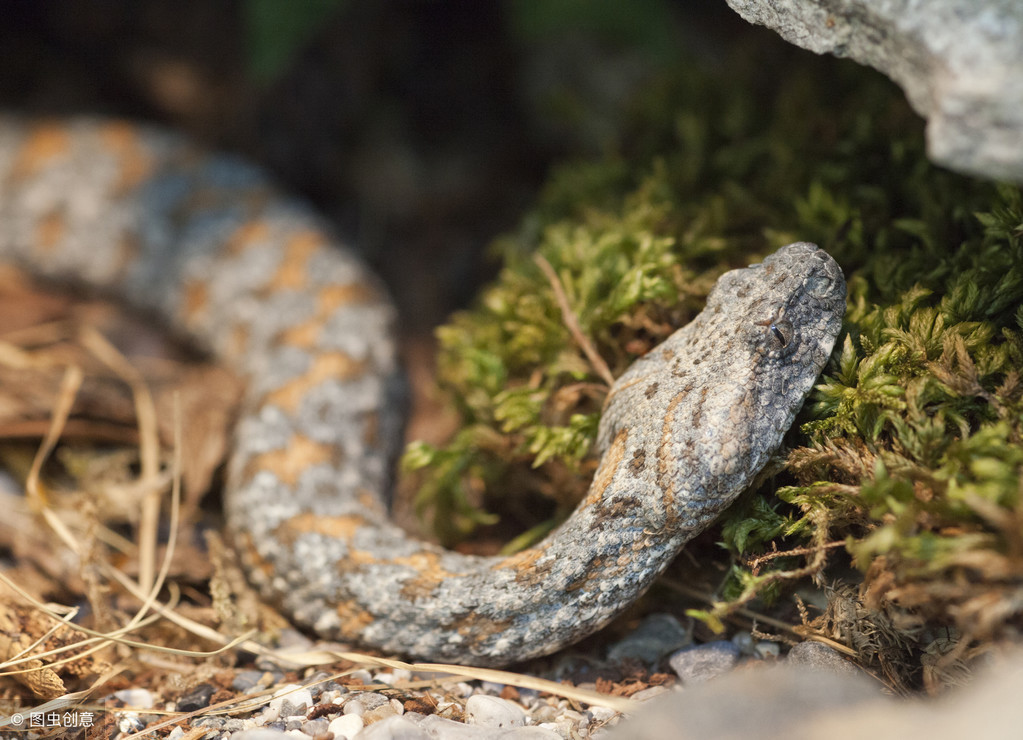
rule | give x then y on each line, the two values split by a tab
260	733
293	694
601	714
361	676
345	726
136	698
393	728
493	711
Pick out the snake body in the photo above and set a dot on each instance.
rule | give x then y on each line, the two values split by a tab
258	278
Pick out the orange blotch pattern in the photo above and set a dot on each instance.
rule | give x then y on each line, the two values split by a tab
46	142
325	366
288	463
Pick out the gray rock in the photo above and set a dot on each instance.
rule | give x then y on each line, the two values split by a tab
656	636
818	656
196	699
746	704
364	701
315	727
700	663
960	63
784	702
245	680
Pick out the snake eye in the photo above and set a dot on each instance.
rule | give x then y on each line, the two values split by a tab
781	333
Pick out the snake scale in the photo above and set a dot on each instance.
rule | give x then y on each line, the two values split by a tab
258	279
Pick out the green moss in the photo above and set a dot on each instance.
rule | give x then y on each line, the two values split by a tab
909	449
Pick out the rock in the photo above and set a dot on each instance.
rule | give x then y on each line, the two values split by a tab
438	728
493	711
315	727
290	700
448	729
196	699
656	636
751	703
261	733
960	63
363	702
785	702
699	663
345	726
818	656
136	698
382	712
246	680
602	714
393	728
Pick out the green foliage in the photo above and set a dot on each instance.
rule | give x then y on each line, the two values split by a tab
927	382
525	389
276	30
909	450
642	23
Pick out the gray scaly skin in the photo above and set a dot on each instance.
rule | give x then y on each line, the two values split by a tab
259	279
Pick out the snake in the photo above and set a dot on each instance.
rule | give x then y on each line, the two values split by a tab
256	277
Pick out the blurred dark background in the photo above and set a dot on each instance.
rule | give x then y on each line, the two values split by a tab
422	128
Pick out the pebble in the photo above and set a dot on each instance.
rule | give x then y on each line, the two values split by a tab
493	711
361	676
392	677
291	699
601	714
246	680
315	727
545	713
136	698
394	728
382	712
818	656
699	663
753	648
354	706
439	728
345	726
260	733
129	723
374	714
656	636
364	701
197	698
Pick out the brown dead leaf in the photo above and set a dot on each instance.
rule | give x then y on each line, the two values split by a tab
24	632
34	357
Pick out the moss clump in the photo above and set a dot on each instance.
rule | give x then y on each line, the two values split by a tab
910	449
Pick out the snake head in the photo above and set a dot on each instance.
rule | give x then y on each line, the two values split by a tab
714	401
